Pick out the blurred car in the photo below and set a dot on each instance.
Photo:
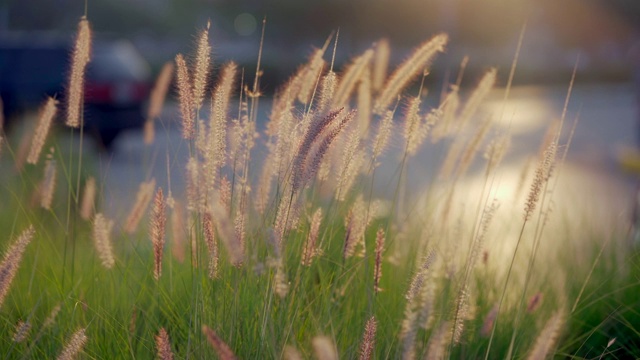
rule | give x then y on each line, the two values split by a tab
117	81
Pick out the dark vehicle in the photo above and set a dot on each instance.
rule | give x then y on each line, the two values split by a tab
117	81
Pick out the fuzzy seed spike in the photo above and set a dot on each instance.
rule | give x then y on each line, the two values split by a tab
47	113
80	59
408	70
157	230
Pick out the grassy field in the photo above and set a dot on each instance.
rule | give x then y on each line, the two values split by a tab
296	256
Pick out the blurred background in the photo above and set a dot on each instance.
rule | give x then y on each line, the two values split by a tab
603	34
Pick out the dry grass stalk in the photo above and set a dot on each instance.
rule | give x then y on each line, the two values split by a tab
186	97
478	241
157	224
88	199
368	339
143	198
309	75
310	137
542	174
280	279
178	232
412	310
159	91
479	94
283	126
550	136
523	176
226	232
461	314
310	246
439	343
356	224
201	71
239	222
222	349
148	132
496	150
212	244
50	320
243	137
377	273
47	113
156	101
408	332
265	183
412	125
194	196
384	133
324	348
225	194
74	345
81	57
327	91
216	152
449	108
380	64
102	239
472	148
351	164
48	184
313	166
548	337
22	331
23	150
133	321
350	78
418	279
364	101
427	305
408	70
328	165
163	345
201	138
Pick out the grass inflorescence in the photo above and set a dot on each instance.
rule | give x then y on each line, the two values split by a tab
299	254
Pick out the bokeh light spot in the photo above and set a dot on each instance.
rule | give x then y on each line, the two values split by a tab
245	24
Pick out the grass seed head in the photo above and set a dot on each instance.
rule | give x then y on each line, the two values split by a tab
74	345
202	65
186	98
88	199
368	339
548	337
163	345
102	238
12	259
22	331
48	184
47	113
79	61
157	231
413	66
222	349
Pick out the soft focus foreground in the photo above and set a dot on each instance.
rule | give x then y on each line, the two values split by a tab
325	230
